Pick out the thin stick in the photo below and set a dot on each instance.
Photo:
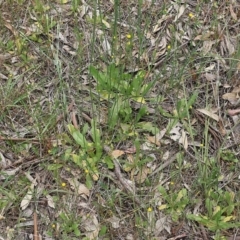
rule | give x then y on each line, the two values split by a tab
124	182
165	164
36	237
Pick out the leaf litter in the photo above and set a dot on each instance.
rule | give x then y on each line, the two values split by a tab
61	56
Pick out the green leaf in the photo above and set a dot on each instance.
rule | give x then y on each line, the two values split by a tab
89	181
76	230
76	159
114	111
165	113
52	167
95	133
71	128
103	231
148	126
109	162
183	106
96	75
80	139
162	190
182	193
209	206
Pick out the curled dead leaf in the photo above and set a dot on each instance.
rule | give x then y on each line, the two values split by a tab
209	114
91	226
80	188
50	201
142	174
117	153
27	198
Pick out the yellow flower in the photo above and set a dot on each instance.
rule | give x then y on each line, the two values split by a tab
63	184
53	225
169	47
129	36
149	209
191	15
86	171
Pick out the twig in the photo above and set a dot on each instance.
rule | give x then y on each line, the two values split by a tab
165	164
178	237
33	140
36	237
125	183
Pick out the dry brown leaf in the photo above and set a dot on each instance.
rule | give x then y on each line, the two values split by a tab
207	46
231	97
69	50
91	226
233	14
11	28
210	77
229	45
83	10
183	139
209	114
130	150
236	90
210	68
158	26
175	132
180	12
80	188
50	201
205	36
165	156
106	46
117	153
27	198
115	221
222	129
7	173
2	76
163	223
142	174
154	140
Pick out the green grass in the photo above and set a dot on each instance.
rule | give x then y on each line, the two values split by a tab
99	122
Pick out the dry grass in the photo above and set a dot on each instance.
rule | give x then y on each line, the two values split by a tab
188	53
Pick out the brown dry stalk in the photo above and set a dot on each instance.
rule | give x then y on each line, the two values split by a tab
233	112
36	237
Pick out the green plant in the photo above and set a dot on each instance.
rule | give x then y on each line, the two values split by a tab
121	87
181	112
220	208
228	156
115	81
69	224
175	203
90	152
